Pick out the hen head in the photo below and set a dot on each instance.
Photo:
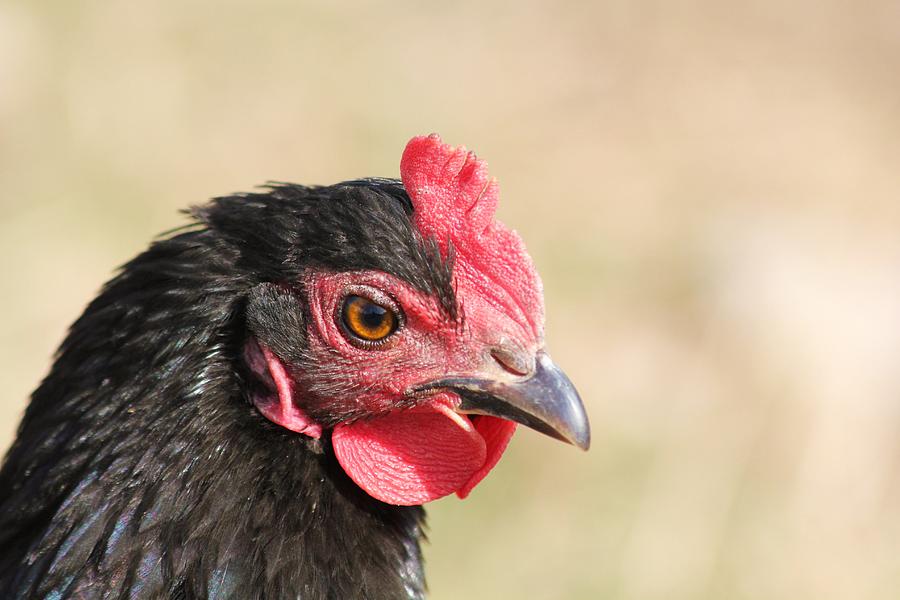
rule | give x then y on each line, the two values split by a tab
412	336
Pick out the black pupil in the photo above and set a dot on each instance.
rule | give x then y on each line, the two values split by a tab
372	315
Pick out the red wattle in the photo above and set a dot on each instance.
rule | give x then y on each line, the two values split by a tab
410	457
496	434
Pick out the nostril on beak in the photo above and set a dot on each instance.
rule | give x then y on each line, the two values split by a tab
512	362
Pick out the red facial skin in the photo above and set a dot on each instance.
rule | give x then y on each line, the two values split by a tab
400	445
427	346
421	450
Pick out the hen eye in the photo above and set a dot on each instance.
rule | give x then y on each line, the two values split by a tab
367	320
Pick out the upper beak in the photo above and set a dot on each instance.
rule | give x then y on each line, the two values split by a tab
544	400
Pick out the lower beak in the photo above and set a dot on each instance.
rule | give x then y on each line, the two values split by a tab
545	401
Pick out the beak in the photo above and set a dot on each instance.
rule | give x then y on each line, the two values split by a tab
545	401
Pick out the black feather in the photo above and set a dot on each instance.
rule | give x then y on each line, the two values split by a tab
140	469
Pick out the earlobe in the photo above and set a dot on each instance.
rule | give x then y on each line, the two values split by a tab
277	404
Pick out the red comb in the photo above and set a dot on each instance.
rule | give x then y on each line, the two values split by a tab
454	200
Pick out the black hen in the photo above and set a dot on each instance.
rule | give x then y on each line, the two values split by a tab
256	406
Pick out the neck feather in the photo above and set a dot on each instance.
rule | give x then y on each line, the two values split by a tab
140	466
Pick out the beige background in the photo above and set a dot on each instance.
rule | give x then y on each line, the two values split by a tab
710	189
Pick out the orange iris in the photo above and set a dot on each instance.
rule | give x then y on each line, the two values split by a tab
368	320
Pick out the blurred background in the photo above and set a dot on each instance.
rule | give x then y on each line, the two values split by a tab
711	191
